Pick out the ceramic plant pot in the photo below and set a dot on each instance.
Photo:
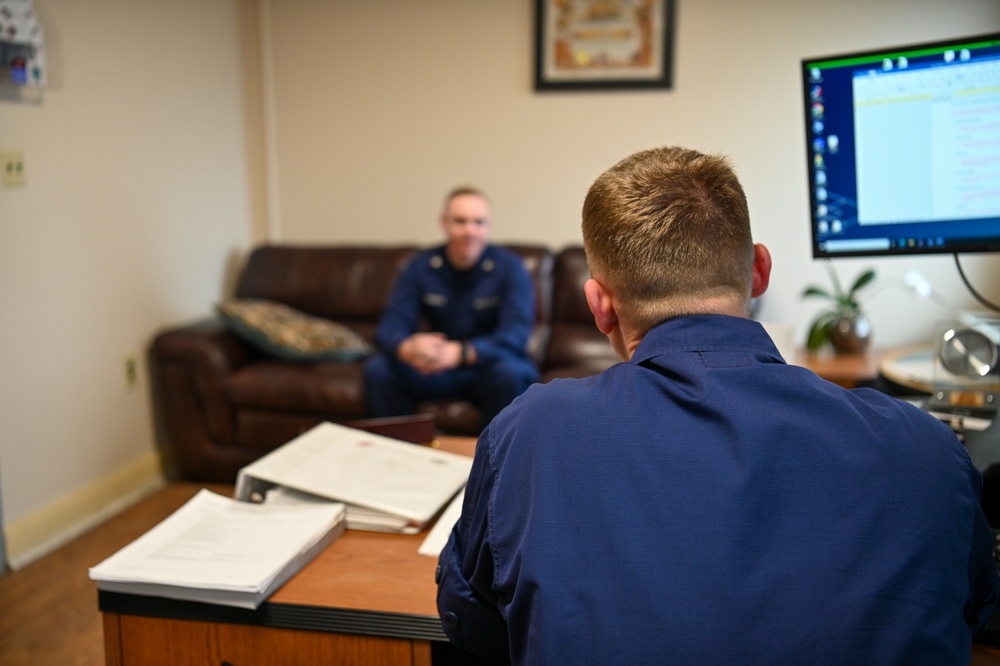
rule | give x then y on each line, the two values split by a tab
851	335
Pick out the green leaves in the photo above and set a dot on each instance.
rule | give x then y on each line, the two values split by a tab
844	304
862	280
819	332
818	291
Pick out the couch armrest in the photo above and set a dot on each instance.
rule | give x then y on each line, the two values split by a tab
190	365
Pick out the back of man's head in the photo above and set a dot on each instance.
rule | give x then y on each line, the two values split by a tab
668	231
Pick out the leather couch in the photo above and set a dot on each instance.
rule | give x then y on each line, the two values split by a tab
219	404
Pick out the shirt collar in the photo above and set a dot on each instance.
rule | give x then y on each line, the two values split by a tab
698	333
486	261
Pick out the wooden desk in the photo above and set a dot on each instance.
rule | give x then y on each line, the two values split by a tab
847	370
369	598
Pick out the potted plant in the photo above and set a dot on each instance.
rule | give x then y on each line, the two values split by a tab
844	324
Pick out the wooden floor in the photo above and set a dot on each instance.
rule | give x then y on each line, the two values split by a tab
48	609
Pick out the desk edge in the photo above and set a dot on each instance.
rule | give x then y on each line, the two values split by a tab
280	616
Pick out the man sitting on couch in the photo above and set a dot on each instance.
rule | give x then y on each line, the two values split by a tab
458	322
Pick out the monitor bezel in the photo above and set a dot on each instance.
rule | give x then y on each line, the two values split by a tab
981	245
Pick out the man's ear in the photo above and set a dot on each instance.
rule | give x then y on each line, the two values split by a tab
601	304
761	270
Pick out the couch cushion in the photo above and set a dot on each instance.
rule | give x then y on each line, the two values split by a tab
286	333
322	388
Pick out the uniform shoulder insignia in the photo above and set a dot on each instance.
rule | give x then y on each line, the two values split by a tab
437	261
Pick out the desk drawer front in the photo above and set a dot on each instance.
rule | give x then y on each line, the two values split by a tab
147	641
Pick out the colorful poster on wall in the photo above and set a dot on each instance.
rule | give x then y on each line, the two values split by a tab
22	49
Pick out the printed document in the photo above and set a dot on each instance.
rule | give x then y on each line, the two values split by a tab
219	550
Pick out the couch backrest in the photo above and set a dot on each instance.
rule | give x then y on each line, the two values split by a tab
352	284
576	348
538	261
349	284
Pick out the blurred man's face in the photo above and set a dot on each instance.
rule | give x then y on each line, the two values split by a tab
466	223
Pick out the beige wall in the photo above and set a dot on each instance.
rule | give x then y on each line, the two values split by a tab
138	192
379	108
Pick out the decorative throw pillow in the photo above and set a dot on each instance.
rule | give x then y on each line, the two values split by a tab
289	334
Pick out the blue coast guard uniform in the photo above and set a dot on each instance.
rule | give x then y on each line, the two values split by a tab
705	503
491	306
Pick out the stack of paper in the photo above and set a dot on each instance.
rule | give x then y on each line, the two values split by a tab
387	485
218	550
438	536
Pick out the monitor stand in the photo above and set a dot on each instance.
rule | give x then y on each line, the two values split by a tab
984	446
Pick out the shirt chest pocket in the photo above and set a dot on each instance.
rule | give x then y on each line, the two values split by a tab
482	303
434	300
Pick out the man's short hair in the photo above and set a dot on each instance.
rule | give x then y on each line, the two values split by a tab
667	228
462	190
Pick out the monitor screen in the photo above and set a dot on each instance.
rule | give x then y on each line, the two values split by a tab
903	149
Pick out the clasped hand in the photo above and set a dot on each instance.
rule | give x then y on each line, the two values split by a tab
430	353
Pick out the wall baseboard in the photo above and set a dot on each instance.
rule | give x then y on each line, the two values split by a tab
48	528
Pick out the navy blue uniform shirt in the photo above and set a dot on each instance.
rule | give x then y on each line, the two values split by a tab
705	503
491	305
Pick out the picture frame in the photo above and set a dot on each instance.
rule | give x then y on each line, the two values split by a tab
603	44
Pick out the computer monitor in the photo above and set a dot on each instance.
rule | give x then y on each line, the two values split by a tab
903	149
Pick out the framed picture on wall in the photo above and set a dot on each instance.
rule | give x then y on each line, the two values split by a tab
603	44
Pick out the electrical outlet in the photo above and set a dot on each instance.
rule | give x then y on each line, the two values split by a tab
131	371
12	165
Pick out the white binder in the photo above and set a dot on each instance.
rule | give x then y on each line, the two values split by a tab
387	485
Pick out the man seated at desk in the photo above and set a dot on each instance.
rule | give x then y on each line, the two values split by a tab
478	302
703	502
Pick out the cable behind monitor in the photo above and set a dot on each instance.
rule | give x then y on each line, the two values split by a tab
971	289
